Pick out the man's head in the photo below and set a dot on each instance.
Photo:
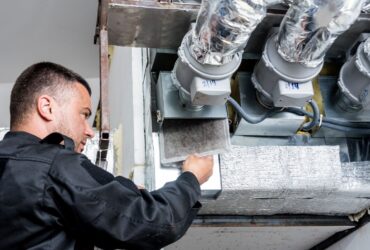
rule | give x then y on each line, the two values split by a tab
49	98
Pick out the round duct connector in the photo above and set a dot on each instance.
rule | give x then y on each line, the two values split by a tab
272	68
187	68
354	82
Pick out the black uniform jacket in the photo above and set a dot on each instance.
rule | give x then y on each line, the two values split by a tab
54	198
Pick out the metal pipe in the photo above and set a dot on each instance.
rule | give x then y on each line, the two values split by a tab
310	27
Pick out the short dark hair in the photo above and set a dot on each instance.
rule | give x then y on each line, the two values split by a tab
39	78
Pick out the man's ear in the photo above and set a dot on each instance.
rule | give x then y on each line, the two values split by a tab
46	107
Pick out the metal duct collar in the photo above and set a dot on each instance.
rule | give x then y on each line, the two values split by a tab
186	69
354	79
367	48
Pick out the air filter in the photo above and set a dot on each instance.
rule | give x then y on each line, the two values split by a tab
178	138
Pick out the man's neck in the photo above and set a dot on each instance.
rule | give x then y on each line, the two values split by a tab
35	129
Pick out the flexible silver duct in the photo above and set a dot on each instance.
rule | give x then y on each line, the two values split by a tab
366	7
289	2
311	26
224	27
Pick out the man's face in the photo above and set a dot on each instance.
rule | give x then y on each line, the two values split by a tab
73	116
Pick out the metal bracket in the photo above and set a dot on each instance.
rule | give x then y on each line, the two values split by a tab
104	75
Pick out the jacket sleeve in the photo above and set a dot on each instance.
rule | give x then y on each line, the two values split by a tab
112	212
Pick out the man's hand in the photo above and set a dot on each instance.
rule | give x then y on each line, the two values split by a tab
201	167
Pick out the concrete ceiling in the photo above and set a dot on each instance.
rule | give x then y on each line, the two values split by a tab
52	30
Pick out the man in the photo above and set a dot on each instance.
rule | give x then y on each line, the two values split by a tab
53	197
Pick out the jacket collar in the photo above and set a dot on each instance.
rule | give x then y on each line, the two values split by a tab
22	135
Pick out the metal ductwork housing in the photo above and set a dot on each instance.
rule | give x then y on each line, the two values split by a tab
300	165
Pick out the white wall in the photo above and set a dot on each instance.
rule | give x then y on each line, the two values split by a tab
53	30
63	32
5	89
126	108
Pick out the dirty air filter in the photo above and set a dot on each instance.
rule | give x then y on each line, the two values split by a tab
179	138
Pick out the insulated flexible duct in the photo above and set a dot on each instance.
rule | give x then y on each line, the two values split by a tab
366	7
311	26
224	27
